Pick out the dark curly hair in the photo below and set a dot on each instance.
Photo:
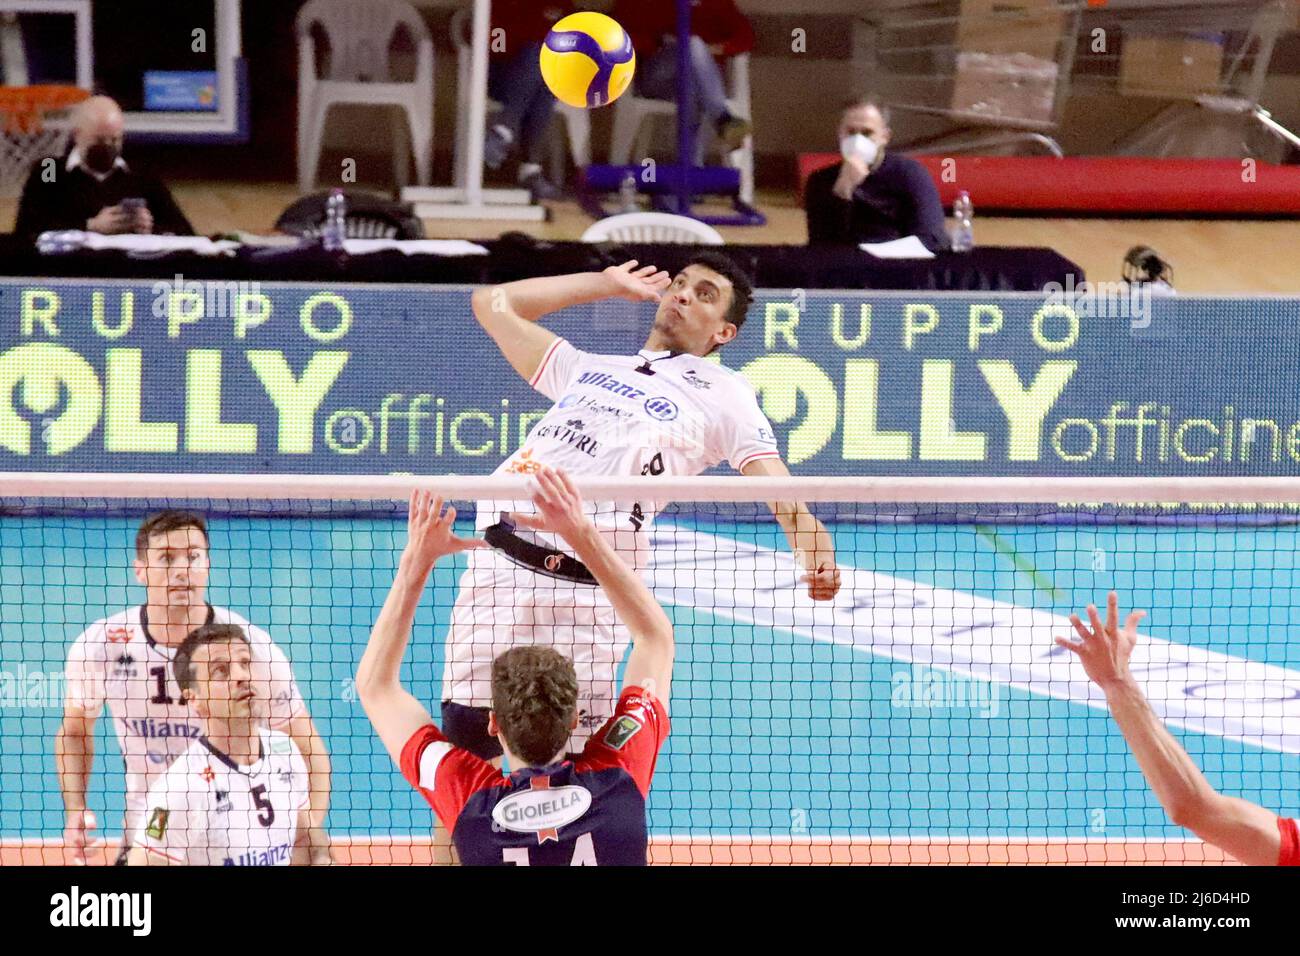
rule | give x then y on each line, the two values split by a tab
534	697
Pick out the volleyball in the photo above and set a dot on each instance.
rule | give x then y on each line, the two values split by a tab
588	60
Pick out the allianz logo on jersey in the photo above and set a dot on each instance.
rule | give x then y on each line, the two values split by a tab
277	855
609	383
149	728
536	810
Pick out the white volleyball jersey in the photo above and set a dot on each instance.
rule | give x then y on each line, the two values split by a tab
206	810
612	419
116	661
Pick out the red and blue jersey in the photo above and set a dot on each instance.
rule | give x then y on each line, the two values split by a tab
590	811
1290	832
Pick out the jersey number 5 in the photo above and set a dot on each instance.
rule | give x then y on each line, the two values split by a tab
259	798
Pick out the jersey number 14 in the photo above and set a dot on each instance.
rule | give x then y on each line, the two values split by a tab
584	853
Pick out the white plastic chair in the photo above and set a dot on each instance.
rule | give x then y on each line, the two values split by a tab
653	227
631	112
577	121
360	33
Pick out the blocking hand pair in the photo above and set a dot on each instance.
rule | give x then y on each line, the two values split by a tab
559	511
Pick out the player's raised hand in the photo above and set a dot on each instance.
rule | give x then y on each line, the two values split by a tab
645	284
559	505
431	531
1104	650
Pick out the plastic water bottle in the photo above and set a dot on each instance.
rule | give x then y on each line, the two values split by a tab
335	229
57	242
627	194
963	214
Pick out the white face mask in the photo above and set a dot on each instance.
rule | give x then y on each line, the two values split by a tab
861	146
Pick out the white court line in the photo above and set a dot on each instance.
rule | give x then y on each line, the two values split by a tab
1201	690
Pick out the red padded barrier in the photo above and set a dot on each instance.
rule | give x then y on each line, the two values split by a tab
1107	184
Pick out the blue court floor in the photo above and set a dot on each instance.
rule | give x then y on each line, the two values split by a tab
774	734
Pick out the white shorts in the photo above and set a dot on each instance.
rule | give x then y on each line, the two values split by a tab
501	605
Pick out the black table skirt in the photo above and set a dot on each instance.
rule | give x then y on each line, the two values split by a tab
515	256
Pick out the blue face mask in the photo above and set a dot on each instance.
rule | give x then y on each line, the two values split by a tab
861	146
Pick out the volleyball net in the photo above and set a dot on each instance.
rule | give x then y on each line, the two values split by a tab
925	715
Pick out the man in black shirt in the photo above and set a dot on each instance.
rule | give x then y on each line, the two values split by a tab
873	195
93	188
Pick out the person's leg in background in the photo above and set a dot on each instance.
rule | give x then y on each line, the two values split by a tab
708	92
533	140
525	117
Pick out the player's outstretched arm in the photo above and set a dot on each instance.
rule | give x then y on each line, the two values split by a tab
808	537
395	714
559	506
509	313
1240	828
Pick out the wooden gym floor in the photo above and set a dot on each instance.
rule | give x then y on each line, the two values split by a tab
1209	256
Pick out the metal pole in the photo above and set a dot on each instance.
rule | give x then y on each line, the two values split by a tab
685	144
477	103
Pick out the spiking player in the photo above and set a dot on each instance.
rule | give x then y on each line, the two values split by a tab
238	796
126	661
586	811
664	411
1244	830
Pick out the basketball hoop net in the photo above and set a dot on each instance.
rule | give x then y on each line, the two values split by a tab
33	124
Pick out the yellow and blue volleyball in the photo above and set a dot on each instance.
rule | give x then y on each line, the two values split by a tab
588	60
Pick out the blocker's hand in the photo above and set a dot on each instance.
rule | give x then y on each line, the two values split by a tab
1104	650
430	533
559	505
645	284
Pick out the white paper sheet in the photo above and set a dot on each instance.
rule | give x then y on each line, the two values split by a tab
423	247
909	247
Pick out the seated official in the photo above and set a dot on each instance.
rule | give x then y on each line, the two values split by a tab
873	195
93	188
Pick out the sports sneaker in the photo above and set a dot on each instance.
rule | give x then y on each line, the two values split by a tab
496	146
541	188
732	130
